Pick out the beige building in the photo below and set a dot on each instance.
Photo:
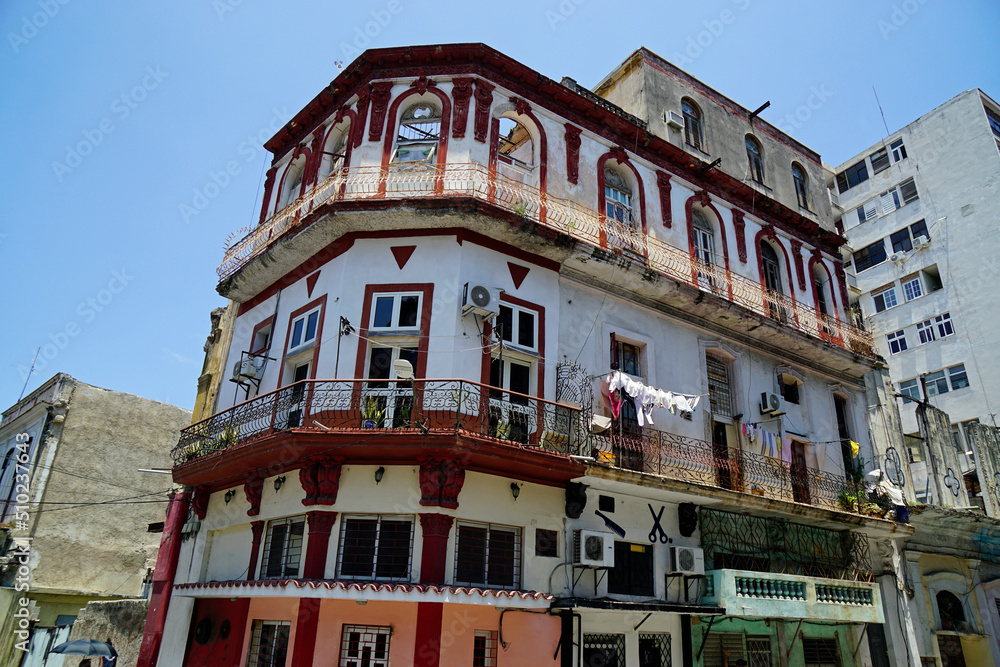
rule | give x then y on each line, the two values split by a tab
72	451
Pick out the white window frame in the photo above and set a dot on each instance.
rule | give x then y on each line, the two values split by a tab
368	633
910	388
912	288
925	332
289	548
884	293
515	322
404	146
255	657
897	341
935	381
397	298
953	371
304	342
944	322
898	150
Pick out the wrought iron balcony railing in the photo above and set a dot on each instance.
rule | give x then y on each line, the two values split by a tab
689	459
410	181
425	406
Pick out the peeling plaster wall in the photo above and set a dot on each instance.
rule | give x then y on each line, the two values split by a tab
121	621
946	487
885	431
985	441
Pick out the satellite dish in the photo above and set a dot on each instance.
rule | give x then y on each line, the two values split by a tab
403	369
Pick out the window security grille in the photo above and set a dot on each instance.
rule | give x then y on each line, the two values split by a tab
604	650
365	646
268	643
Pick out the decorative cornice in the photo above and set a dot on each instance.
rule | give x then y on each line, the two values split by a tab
436	525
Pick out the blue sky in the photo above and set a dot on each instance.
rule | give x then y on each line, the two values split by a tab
119	120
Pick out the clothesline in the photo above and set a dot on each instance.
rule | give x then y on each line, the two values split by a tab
646	398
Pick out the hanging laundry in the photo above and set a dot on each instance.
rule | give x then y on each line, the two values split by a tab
855	448
786	450
616	403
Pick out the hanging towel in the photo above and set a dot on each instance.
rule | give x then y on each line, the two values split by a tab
786	450
855	448
616	403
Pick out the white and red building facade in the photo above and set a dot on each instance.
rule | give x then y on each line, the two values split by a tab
341	514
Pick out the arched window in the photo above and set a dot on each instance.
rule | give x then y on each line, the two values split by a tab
335	152
950	610
516	151
801	192
755	159
704	237
292	182
821	282
772	269
617	197
418	134
692	123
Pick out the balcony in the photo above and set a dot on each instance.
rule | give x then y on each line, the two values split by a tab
425	408
564	217
691	460
770	595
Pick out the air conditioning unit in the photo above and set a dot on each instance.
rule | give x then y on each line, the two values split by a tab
481	300
593	548
897	257
673	119
771	404
687	560
921	242
248	367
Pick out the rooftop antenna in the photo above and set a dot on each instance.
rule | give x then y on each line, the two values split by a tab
30	371
881	112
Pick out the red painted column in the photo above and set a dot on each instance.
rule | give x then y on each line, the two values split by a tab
318	545
435	528
163	578
305	632
427	650
258	531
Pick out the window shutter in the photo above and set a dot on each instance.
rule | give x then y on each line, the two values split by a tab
908	190
614	352
888	203
871	209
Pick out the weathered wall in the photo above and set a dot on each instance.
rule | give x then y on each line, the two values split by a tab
985	442
944	470
886	432
213	371
121	621
105	438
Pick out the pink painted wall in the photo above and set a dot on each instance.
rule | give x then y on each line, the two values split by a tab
532	638
334	614
270	609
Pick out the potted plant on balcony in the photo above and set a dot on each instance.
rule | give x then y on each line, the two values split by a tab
372	413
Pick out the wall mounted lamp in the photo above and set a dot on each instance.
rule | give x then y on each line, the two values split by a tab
278	482
379	474
515	490
230	494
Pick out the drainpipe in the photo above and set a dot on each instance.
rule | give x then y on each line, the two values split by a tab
163	578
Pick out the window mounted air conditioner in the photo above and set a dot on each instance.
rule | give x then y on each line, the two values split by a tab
673	119
687	560
771	404
593	548
481	300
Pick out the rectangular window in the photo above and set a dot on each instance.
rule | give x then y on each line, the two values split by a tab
268	643
759	652
517	326
908	191
868	210
925	331
633	570
654	650
870	256
911	288
852	176
820	652
910	388
994	122
604	650
365	646
889	201
944	325
956	437
898	150
901	240
919	228
304	329
958	377
488	554
283	548
936	383
789	387
376	548
546	543
885	299
880	160
967	430
484	649
628	358
720	395
897	342
396	311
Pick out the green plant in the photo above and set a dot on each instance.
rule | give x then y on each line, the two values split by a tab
520	207
372	411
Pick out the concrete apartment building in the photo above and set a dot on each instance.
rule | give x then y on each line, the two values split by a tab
70	454
418	451
920	210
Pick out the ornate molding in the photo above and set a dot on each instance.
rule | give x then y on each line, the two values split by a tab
572	153
703	197
320	479
521	106
257	529
461	91
441	480
268	187
619	154
664	186
741	234
484	100
422	84
364	97
199	501
799	270
254	488
436	525
321	522
381	94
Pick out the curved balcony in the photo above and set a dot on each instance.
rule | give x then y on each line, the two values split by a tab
407	182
